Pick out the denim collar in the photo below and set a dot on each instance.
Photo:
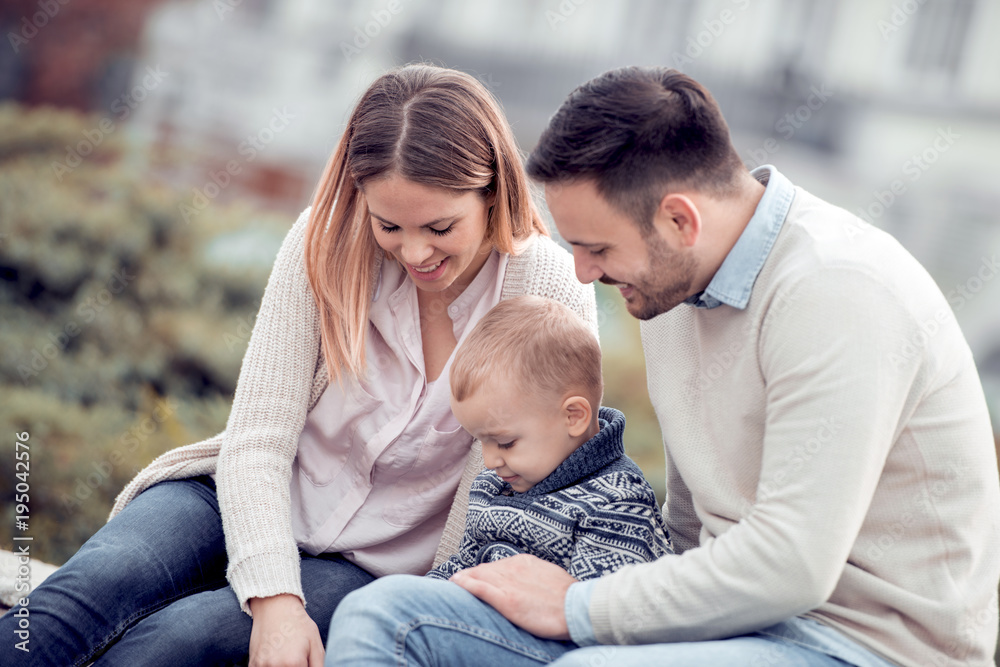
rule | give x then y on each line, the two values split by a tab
733	282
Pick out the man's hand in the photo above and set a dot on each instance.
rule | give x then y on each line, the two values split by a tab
283	635
528	591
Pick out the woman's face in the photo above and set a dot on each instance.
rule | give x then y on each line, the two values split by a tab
439	235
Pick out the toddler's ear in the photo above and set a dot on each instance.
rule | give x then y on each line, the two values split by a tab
577	413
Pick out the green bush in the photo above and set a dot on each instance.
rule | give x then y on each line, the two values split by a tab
123	325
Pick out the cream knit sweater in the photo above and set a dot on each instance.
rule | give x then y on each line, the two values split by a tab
282	377
829	453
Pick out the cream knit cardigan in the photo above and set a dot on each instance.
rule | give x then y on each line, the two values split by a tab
282	377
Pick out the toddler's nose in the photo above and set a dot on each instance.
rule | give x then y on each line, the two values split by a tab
491	458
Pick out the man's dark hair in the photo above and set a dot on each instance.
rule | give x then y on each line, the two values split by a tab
638	133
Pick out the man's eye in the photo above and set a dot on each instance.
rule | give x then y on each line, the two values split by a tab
598	253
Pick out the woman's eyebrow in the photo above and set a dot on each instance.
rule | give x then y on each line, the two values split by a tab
423	226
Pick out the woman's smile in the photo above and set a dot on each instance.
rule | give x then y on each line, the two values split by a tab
429	272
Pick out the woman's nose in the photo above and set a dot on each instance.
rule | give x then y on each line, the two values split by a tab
415	251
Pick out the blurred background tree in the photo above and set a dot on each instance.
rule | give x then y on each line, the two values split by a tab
123	325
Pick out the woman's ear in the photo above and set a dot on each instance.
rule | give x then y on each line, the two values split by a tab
577	413
490	199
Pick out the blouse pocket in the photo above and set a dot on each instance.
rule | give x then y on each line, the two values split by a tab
337	431
429	484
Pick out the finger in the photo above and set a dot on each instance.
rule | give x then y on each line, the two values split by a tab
495	572
316	654
482	589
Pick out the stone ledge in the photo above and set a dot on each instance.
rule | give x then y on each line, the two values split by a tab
9	595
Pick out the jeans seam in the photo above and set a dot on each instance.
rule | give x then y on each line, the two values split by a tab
404	630
801	644
137	616
201	485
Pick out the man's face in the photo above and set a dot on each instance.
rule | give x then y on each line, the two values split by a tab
652	276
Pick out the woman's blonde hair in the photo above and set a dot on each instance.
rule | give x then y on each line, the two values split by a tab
433	126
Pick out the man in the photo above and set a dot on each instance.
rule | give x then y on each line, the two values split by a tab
832	487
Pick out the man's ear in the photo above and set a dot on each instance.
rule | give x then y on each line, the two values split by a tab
576	413
678	219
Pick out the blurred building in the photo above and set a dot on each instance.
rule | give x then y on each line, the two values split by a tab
890	108
77	54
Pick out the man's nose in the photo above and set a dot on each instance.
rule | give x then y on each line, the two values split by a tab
587	271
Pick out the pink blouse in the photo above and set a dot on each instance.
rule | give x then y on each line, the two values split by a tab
378	462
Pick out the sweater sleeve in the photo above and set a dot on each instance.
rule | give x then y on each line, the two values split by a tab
832	407
624	532
481	491
269	410
456	562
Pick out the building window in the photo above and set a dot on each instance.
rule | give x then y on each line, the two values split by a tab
939	35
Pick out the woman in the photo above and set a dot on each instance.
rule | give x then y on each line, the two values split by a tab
421	222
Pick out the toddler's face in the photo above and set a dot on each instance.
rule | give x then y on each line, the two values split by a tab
525	437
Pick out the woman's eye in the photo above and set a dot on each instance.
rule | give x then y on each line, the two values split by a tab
443	232
389	229
506	445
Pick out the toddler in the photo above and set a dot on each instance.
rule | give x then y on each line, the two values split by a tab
527	384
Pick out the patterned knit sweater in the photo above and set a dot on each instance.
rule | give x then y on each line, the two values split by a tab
282	377
592	515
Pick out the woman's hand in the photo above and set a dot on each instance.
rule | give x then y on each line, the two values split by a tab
283	635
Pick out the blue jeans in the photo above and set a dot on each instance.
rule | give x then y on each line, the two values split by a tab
405	620
149	588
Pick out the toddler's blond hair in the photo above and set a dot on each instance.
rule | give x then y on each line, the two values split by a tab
538	343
